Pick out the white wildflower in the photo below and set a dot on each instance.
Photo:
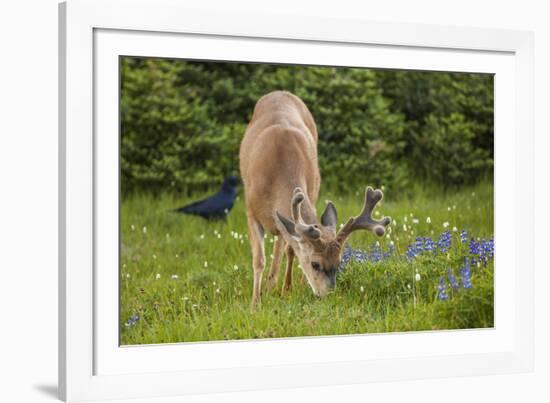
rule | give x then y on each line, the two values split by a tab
455	229
362	289
202	236
449	208
144	230
174	276
154	256
417	277
235	267
428	220
445	224
415	220
205	264
404	227
133	227
157	276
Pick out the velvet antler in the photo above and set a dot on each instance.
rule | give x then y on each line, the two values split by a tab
364	220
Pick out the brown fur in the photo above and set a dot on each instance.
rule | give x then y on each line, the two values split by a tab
278	153
280	172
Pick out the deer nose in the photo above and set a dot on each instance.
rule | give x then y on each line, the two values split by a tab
331	283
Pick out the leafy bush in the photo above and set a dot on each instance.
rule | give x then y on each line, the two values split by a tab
182	122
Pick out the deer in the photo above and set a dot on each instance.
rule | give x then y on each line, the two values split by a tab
280	173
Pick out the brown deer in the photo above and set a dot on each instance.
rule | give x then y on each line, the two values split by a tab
280	172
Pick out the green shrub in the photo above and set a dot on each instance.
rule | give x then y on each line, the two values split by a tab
182	122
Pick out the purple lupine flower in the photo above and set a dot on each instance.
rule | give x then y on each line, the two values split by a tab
474	247
359	256
419	244
442	290
444	241
346	256
463	236
390	251
429	245
486	250
490	247
376	253
132	320
466	274
411	252
452	279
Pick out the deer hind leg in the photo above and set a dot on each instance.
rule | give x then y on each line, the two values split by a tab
288	272
278	249
256	234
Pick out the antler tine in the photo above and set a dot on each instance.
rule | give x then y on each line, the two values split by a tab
308	231
297	199
364	220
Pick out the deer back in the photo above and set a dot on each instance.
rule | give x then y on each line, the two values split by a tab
278	154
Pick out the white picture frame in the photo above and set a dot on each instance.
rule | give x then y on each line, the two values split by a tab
94	33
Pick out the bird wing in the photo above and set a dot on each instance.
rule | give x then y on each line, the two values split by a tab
213	205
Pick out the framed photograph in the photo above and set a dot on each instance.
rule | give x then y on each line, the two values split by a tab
244	207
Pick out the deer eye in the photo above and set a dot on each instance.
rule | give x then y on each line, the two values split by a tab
316	266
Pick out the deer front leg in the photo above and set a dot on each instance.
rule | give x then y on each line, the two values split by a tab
278	248
256	235
288	273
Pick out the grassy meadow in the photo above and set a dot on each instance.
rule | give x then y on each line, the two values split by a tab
184	279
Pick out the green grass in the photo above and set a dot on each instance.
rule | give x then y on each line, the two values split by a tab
191	280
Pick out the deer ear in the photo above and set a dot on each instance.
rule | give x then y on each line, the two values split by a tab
285	223
330	216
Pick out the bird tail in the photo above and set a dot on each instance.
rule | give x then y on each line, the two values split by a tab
188	209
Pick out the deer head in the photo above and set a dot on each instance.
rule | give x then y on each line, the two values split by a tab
319	247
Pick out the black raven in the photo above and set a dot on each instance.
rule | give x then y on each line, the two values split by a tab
216	206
